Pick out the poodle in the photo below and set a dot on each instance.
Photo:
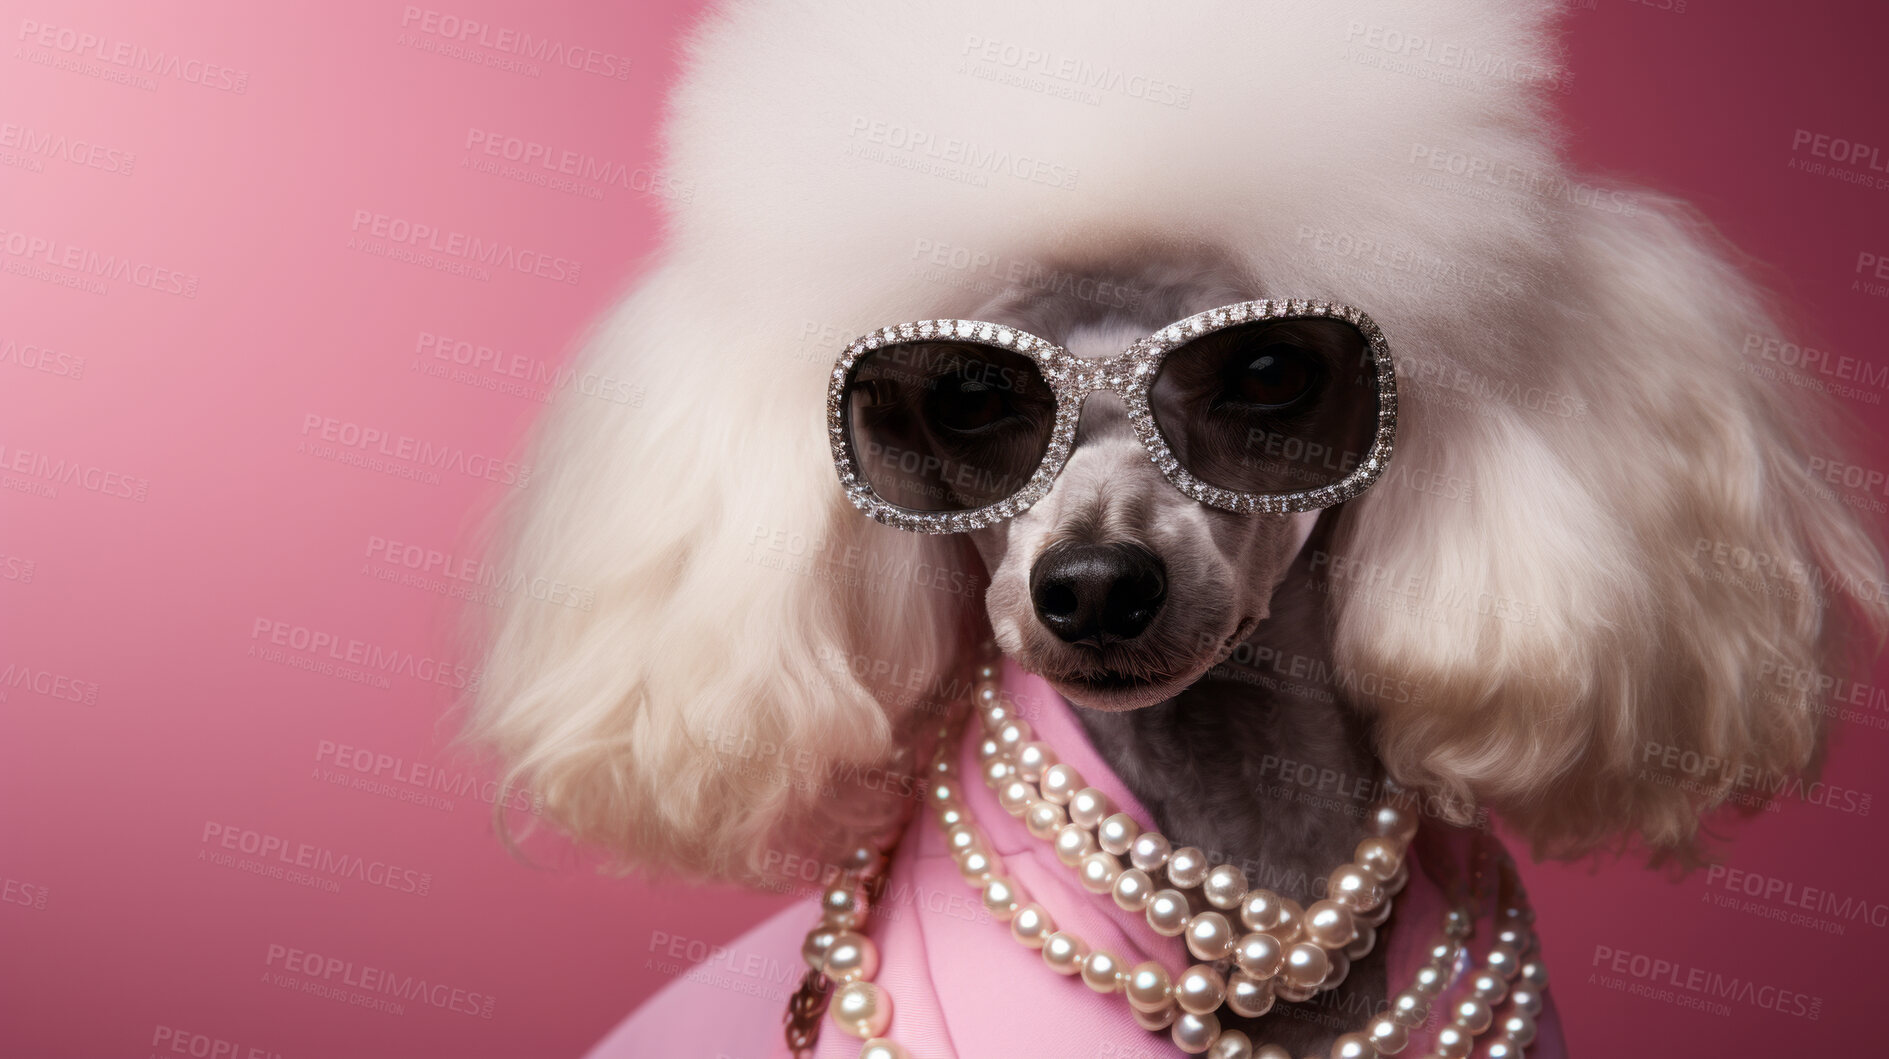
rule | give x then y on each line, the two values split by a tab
1262	459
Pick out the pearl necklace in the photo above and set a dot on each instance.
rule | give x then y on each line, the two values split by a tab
1291	953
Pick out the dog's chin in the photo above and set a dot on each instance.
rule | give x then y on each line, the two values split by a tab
1099	687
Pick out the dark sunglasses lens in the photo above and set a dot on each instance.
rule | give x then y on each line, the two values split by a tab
1271	406
947	426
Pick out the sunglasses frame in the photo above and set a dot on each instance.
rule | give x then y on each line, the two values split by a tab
1130	375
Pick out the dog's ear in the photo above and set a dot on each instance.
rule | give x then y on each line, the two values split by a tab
1621	588
741	649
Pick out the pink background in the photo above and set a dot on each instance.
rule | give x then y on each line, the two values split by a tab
121	925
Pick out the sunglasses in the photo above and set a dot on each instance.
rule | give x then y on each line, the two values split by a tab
1274	407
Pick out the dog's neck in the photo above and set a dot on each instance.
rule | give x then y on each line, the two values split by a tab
1264	764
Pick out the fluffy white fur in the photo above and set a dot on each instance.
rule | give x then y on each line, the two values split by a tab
662	722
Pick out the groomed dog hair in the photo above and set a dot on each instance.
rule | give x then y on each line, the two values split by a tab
853	163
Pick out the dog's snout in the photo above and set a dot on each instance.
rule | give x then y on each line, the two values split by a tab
1097	594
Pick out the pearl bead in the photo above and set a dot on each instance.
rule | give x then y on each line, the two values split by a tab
844	908
1060	783
1149	988
1015	796
1032	758
1520	1028
976	866
1200	989
1116	833
1488	988
1232	1045
1352	887
1132	890
880	1048
1271	1051
1503	960
1103	971
1362	945
1502	1048
1429	980
1526	1000
1210	937
1390	1036
943	793
1032	926
861	1009
1003	897
1379	857
1159	1019
1195	1033
813	950
963	837
953	817
1340	967
1099	872
1410	1008
1013	733
1073	844
1224	887
988	748
1535	973
999	772
988	671
862	858
1473	1015
1291	925
1329	924
1453	1043
1353	1046
1187	867
1305	965
1167	913
1064	952
1376	916
851	957
1259	910
1044	819
1248	996
1149	852
1088	806
1392	822
1457	924
1259	955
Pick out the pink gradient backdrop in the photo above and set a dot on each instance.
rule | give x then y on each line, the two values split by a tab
116	921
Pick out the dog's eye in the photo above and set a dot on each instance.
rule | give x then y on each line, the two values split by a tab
1273	376
963	404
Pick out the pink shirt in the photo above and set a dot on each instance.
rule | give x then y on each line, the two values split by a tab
960	987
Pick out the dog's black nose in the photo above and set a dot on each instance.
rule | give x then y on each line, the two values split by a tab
1098	593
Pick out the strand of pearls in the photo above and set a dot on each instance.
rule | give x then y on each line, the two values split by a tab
1290	955
1290	952
837	950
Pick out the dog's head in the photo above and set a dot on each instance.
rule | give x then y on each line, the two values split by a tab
1117	587
1597	549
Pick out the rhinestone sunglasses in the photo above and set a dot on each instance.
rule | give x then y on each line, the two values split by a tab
1273	407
